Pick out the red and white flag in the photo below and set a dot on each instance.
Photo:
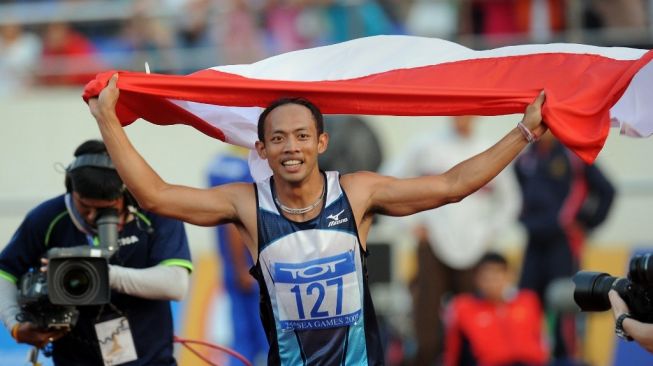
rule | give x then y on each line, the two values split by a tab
588	88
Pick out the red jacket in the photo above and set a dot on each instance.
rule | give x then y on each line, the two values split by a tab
497	334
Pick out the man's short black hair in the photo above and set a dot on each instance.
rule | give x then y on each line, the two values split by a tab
492	258
94	182
315	111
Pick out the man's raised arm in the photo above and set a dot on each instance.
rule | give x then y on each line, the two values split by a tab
400	197
196	206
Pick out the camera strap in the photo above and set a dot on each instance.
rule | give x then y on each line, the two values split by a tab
77	218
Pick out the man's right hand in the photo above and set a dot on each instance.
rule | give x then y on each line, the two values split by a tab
533	116
105	103
29	333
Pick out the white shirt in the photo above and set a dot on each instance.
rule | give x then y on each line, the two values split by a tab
459	233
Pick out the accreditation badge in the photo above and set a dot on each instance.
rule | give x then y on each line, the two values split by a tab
116	342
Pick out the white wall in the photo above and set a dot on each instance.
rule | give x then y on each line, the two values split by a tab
43	128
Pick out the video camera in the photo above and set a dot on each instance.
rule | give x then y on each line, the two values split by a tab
76	276
591	293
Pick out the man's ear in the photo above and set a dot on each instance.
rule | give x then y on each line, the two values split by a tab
322	142
260	149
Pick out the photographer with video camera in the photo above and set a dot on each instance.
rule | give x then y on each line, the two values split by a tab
109	273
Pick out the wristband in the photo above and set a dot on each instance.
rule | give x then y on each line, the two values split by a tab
528	135
14	331
619	327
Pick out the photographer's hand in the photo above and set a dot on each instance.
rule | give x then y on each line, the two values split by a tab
38	337
618	304
642	333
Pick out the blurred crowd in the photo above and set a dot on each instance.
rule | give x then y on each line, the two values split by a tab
65	42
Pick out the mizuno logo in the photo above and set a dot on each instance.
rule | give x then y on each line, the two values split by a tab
335	219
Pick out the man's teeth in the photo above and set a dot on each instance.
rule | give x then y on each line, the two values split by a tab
291	162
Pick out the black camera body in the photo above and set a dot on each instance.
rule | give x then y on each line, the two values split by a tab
36	306
591	293
76	276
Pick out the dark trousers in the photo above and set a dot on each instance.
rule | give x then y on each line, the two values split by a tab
545	260
434	281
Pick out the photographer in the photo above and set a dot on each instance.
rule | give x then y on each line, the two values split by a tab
628	327
149	268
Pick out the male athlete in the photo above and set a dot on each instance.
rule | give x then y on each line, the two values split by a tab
306	229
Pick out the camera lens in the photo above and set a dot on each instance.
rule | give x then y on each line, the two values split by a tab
641	269
591	293
76	282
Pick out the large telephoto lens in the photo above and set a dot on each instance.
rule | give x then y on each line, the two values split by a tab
641	269
591	293
78	281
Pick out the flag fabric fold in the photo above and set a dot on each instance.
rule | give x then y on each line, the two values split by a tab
588	88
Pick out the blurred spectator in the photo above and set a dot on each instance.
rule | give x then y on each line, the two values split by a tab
197	35
68	58
617	14
349	20
432	18
490	17
452	238
282	28
497	325
143	38
563	198
19	55
194	28
539	19
241	38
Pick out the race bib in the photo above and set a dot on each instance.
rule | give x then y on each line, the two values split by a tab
318	294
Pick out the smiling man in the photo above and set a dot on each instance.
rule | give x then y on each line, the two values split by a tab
307	229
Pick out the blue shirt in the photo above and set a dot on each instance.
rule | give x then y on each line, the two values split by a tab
557	188
226	169
146	241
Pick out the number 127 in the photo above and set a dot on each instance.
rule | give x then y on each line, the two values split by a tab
321	293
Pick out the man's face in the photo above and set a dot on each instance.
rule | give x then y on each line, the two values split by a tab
291	142
88	207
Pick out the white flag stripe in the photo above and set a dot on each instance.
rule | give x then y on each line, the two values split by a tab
373	55
633	113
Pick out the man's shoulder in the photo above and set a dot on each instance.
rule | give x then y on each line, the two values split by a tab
48	210
361	177
242	192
